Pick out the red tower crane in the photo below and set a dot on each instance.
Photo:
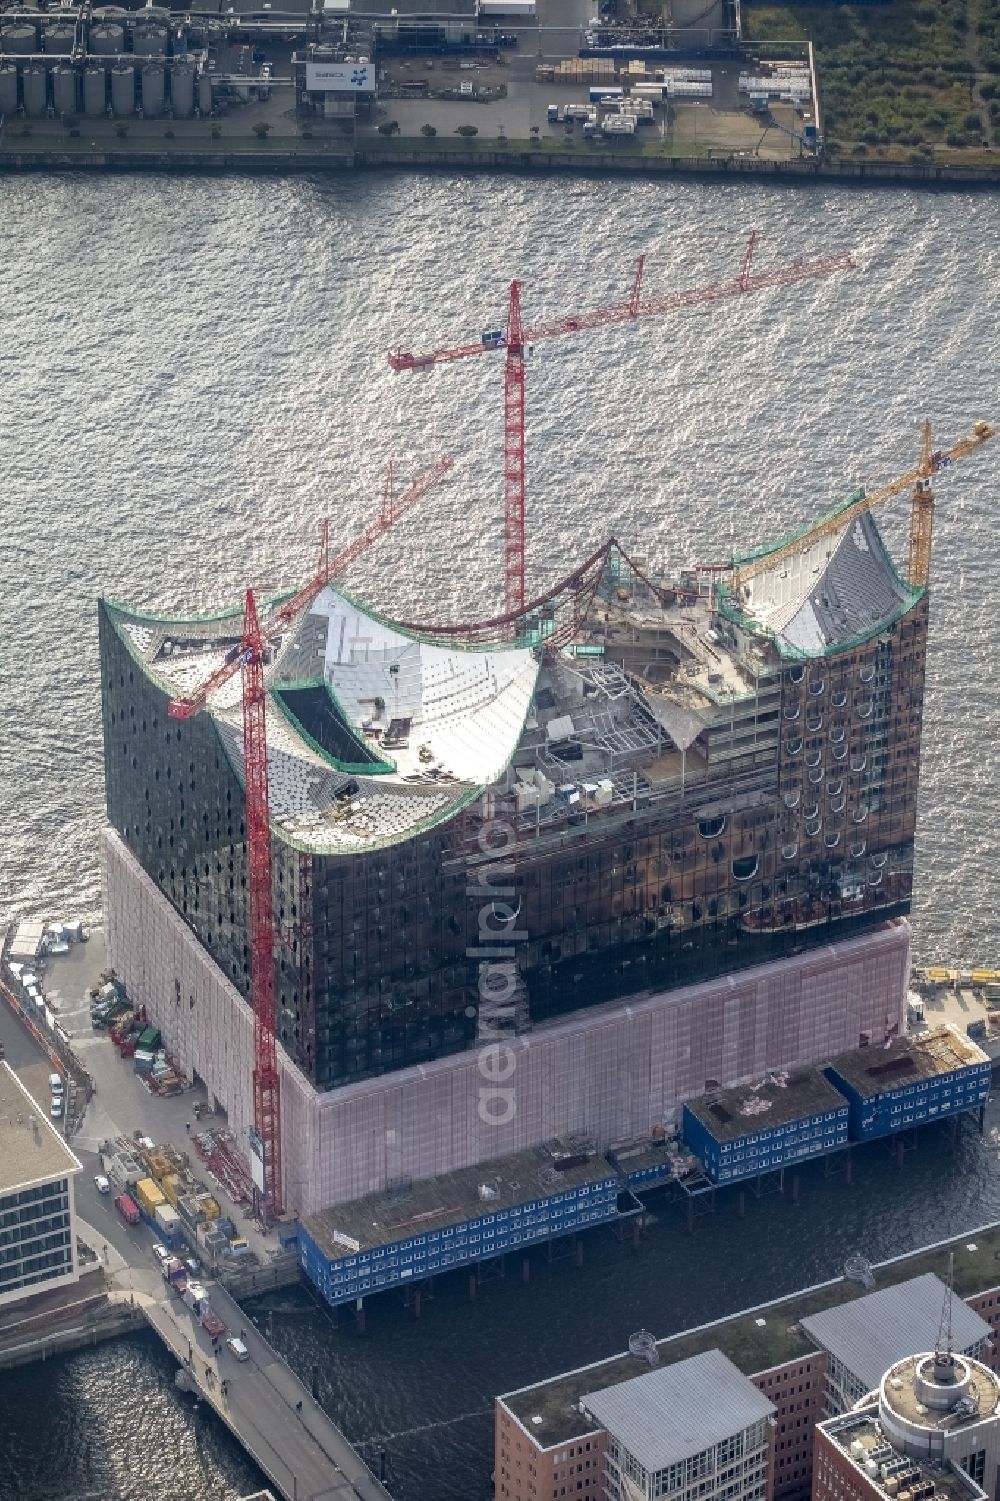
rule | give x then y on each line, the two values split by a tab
250	659
266	1089
516	339
327	570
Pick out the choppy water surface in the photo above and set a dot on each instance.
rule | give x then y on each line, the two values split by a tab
192	373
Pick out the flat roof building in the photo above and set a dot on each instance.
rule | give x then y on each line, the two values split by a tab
866	1336
694	1431
911	1080
37	1216
786	1118
810	1356
931	1432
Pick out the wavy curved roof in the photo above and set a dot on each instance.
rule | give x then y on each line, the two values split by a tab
838	589
373	733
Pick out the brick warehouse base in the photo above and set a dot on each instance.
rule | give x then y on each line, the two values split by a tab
615	1071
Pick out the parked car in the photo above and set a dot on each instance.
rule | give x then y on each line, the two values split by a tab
101	1184
56	1108
56	1084
193	1265
161	1253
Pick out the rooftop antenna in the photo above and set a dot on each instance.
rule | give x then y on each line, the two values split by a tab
944	1349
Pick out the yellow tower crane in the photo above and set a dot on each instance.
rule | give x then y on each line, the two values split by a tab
921	515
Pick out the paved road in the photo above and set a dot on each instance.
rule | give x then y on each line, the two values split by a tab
297	1446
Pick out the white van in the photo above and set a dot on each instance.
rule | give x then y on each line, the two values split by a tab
56	1085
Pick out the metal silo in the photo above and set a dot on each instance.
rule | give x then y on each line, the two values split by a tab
149	41
20	39
60	39
8	90
205	94
106	40
64	90
95	91
34	82
123	89
182	90
152	91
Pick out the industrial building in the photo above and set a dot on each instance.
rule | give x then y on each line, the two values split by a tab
691	1391
37	1215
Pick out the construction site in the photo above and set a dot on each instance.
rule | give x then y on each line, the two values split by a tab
408	898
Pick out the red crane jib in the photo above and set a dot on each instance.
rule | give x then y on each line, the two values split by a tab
625	312
186	708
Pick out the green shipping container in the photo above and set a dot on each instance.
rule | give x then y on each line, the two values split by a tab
150	1040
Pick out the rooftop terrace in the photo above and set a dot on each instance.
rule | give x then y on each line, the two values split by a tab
750	1345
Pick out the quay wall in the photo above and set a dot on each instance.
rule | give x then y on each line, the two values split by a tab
614	1072
234	157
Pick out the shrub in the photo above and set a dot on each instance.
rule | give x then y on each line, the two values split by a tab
261	129
428	131
467	130
169	134
973	122
121	130
389	128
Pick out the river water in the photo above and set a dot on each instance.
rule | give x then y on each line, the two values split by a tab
193	372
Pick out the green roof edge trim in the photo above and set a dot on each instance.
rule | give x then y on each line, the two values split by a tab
351	768
762	552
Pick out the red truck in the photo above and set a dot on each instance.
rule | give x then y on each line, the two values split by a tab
211	1323
128	1209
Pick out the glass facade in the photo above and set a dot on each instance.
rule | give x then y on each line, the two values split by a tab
35	1236
803	834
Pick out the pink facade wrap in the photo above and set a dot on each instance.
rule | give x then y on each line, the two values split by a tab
615	1071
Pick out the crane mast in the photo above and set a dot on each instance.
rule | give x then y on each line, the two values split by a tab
921	514
517	338
266	1086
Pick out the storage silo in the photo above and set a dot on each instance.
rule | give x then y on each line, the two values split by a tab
19	39
95	91
205	94
34	82
123	89
182	90
60	39
149	41
152	91
8	90
64	89
106	40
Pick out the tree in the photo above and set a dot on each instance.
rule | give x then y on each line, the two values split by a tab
428	131
121	130
389	128
216	132
261	129
466	130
